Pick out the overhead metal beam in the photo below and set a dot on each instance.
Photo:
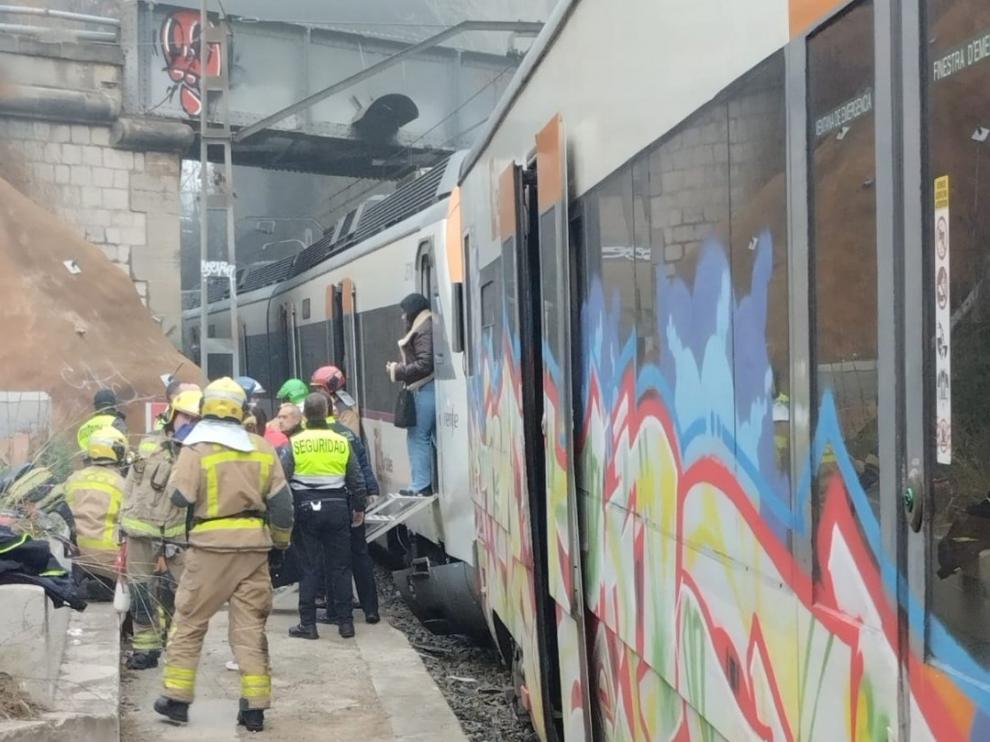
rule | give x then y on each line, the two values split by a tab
521	27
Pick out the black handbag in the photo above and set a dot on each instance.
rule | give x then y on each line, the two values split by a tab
405	409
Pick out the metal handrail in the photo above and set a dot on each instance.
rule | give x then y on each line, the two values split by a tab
76	34
63	14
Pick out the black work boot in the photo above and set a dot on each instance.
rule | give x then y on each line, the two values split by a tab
177	711
346	629
253	719
304	631
372	617
142	660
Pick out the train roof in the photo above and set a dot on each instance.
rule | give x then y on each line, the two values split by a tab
544	41
370	218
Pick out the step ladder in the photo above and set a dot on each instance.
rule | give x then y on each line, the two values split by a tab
393	510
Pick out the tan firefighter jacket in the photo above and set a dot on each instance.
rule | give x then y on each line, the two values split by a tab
94	496
229	491
147	511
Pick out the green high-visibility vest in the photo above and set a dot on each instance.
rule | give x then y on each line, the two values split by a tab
320	457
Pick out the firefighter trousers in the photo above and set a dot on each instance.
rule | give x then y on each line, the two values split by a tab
97	562
210	579
152	580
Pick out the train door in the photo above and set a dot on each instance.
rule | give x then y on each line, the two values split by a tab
518	232
557	315
351	355
427	285
946	347
292	336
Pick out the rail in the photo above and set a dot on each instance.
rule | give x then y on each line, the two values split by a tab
51	32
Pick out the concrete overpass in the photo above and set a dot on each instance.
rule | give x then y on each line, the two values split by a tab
97	113
381	126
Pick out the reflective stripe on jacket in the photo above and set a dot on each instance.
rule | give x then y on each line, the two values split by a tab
96	422
320	457
94	496
148	511
229	492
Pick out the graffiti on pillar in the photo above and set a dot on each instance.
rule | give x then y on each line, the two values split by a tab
180	44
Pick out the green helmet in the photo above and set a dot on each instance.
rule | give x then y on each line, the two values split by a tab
294	390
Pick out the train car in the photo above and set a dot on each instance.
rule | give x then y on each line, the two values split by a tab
725	272
337	302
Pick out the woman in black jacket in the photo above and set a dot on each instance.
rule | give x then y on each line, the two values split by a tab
416	372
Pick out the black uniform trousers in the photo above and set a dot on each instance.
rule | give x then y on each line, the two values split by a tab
325	532
364	573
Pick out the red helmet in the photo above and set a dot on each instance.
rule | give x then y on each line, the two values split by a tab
328	378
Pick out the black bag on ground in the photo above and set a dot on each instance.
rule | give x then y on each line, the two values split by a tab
405	409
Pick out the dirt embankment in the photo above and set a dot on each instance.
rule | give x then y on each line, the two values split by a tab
70	334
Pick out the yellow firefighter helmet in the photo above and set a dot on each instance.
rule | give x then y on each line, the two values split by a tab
187	402
224	399
107	444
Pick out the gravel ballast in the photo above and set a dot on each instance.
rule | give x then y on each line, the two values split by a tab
471	677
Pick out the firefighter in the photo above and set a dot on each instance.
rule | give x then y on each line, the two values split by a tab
240	507
173	388
329	495
155	530
94	496
106	416
330	381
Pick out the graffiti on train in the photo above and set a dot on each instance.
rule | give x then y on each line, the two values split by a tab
703	619
502	517
700	617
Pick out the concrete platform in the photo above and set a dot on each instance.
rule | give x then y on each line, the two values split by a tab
370	689
85	698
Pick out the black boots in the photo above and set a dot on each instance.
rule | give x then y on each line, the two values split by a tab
142	661
372	618
346	629
252	719
304	631
177	711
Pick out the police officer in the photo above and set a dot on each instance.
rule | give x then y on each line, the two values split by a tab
106	416
94	495
330	498
155	530
361	564
241	506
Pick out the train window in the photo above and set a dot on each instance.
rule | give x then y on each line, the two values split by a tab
644	265
488	305
758	246
457	318
842	171
614	207
958	257
305	309
509	286
689	191
469	349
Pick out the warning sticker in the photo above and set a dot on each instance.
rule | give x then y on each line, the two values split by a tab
943	325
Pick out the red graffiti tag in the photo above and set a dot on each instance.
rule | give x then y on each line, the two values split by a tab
180	39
